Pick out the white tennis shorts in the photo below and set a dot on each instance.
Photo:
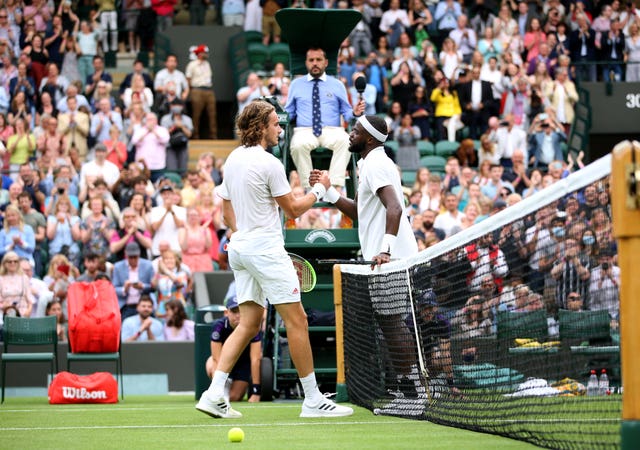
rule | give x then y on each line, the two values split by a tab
262	277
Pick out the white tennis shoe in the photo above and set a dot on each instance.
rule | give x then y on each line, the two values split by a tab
325	408
217	408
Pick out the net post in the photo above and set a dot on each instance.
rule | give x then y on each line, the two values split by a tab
341	385
626	228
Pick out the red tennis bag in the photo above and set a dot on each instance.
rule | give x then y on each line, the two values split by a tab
67	387
94	317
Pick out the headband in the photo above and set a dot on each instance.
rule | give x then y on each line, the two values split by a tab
362	120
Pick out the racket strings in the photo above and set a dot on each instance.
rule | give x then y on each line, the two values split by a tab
304	275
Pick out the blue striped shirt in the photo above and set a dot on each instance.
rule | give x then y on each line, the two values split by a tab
333	101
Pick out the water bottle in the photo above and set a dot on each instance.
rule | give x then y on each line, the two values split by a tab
603	383
593	388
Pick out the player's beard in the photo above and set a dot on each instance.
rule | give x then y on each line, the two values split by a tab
357	147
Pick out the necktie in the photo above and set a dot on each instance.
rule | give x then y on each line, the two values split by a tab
315	102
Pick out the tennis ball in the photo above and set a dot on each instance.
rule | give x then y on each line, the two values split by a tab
236	435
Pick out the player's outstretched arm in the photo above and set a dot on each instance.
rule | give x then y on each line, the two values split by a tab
345	205
294	207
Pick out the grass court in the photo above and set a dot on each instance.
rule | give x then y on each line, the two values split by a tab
171	422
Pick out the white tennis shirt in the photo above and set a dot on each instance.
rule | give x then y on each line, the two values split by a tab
377	170
252	178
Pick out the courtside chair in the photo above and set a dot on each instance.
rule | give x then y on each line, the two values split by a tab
115	357
28	332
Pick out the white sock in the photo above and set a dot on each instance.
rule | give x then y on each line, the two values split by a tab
310	387
227	388
216	388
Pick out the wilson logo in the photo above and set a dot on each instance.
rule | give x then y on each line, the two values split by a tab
320	234
82	393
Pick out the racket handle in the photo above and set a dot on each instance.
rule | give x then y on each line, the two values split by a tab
346	261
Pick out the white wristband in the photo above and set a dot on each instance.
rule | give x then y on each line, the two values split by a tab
388	242
318	190
332	195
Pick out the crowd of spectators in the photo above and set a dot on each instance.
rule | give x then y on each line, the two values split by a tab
85	191
95	180
563	256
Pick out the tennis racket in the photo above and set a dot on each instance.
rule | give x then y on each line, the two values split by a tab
306	274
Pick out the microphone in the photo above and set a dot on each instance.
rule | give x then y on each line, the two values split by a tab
360	84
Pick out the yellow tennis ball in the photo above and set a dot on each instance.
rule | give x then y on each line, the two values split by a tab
236	435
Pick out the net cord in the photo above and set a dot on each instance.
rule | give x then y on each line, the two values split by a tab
577	180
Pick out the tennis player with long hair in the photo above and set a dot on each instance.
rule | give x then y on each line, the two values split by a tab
254	186
384	234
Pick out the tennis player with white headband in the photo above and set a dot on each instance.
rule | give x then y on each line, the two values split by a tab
383	230
385	234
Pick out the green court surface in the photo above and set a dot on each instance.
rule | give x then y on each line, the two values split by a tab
171	422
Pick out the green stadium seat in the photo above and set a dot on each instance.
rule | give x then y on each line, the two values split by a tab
446	148
408	177
258	55
393	145
175	178
580	126
565	150
253	36
434	163
279	53
576	142
426	148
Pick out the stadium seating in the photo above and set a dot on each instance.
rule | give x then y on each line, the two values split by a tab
393	145
408	177
446	148
22	331
426	148
279	53
435	164
258	55
253	36
175	178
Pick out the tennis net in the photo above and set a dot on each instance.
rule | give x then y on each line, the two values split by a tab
498	327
